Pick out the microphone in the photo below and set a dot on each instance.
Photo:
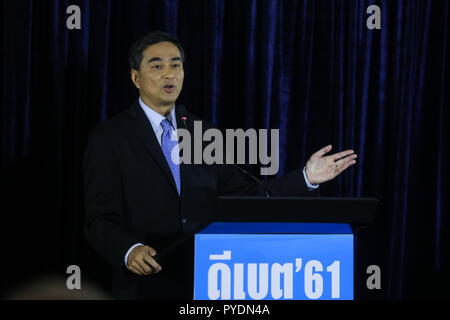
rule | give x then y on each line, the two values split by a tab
183	115
267	192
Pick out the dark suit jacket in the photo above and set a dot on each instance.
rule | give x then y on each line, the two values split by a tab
131	197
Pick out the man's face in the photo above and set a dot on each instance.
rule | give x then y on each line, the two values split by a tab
160	78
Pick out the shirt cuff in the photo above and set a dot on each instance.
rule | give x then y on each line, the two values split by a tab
310	186
128	252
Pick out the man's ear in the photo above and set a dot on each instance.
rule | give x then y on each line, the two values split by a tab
135	78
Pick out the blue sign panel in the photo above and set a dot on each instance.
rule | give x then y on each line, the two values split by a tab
238	266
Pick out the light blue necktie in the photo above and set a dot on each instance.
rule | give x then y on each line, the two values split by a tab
167	145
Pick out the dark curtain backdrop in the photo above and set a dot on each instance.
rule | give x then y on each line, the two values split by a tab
310	68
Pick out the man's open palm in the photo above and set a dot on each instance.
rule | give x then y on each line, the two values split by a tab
321	168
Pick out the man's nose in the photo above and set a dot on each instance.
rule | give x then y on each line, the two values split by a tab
169	74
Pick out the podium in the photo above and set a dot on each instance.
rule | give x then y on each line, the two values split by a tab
280	248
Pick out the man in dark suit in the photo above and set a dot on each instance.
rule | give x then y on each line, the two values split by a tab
139	201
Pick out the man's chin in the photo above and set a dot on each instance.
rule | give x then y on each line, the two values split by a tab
169	101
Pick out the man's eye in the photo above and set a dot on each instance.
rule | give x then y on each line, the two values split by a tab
176	66
157	67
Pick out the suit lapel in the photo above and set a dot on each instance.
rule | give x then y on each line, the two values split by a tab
147	136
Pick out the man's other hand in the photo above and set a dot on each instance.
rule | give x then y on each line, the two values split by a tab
141	262
321	168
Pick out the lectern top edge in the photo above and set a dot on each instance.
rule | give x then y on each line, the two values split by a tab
355	211
276	228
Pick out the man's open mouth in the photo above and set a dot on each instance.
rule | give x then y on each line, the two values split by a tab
169	88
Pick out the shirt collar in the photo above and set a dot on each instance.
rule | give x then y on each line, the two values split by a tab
155	118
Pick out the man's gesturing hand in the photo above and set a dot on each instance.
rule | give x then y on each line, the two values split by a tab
141	262
320	169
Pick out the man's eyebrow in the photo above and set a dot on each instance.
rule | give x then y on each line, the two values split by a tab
154	59
159	59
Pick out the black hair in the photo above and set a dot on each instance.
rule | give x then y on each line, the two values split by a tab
154	37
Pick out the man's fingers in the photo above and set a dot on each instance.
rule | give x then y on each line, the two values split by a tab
144	266
344	166
135	265
322	151
341	155
150	251
152	263
346	159
134	270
